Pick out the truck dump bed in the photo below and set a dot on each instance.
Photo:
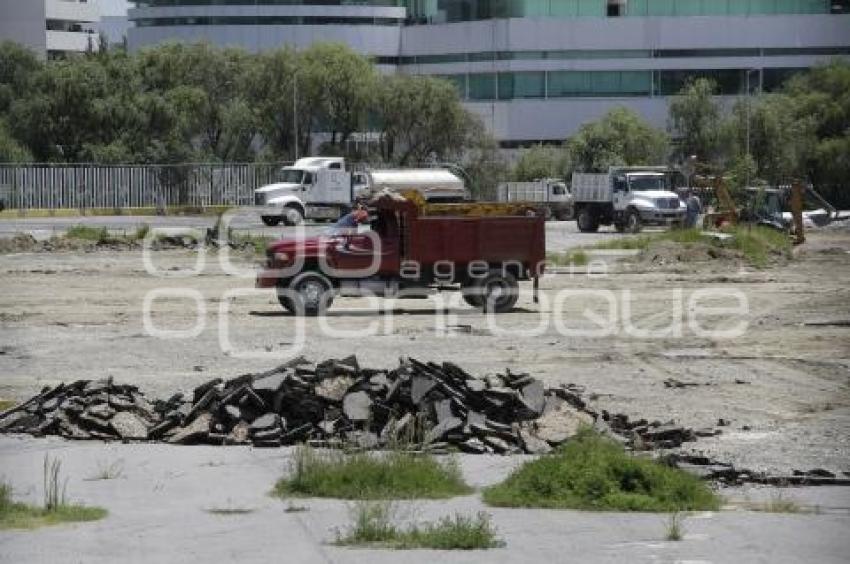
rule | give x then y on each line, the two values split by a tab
522	192
465	233
462	240
588	187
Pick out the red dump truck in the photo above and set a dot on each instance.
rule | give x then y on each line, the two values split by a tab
410	249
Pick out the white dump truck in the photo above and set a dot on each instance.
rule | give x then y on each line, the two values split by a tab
628	197
552	195
323	188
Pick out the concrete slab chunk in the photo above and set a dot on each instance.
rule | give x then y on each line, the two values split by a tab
129	426
357	406
195	431
560	424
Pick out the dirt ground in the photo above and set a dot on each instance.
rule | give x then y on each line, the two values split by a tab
782	384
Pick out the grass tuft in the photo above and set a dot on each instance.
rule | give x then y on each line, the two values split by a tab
777	503
370	476
142	232
675	527
98	235
54	488
107	471
7	404
16	515
257	242
569	258
373	527
229	511
593	472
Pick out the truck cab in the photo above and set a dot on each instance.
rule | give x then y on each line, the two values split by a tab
315	187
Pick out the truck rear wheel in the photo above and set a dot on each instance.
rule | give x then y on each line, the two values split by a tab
587	221
271	220
292	215
498	292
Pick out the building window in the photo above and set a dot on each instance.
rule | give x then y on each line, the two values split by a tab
522	85
482	86
728	81
616	8
588	84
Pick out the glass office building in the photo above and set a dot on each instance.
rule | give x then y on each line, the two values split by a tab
535	70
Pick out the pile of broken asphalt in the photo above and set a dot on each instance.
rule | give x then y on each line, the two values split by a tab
337	403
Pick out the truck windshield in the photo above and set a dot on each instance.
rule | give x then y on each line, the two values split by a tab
638	183
290	176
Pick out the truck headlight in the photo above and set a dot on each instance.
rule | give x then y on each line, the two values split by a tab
281	257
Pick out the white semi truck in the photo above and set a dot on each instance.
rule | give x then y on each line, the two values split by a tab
628	197
322	188
552	195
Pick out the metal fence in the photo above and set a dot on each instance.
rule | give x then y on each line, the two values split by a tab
82	186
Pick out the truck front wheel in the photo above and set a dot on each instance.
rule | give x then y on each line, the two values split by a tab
292	215
498	292
312	294
308	294
271	220
587	222
633	221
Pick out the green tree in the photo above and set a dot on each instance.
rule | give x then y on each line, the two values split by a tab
778	140
695	120
208	88
421	118
10	150
484	164
820	102
18	67
541	161
271	91
620	138
341	86
64	113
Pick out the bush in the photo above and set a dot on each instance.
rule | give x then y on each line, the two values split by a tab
595	473
758	244
371	476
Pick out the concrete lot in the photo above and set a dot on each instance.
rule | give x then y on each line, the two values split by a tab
159	513
784	386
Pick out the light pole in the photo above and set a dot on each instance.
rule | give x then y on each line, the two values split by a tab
295	110
749	157
691	169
